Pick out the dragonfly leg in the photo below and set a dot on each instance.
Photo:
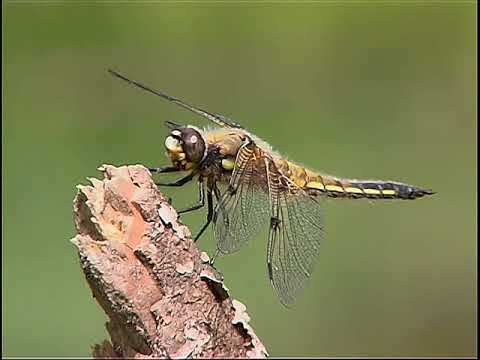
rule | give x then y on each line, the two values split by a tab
201	199
163	169
179	182
209	215
212	260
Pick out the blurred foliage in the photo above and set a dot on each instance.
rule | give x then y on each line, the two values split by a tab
382	91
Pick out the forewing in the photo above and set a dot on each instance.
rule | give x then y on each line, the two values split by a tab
244	206
295	235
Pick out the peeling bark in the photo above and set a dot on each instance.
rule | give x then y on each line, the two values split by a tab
161	295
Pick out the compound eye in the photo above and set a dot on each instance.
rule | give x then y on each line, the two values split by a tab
173	144
193	145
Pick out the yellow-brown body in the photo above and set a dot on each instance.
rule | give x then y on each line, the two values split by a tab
230	140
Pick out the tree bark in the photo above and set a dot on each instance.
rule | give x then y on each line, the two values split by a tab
161	295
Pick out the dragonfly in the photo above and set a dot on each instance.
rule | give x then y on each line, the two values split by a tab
253	187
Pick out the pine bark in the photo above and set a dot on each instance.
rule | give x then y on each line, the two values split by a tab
162	297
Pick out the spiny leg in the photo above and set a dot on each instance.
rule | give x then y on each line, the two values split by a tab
218	196
179	182
214	257
201	198
163	169
209	215
170	169
210	212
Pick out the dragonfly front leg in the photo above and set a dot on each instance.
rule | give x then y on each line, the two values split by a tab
201	198
169	169
179	182
163	169
209	215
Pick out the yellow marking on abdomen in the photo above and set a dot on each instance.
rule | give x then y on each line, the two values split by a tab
388	192
334	188
372	191
315	185
354	190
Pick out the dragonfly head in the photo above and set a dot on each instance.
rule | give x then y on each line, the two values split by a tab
185	146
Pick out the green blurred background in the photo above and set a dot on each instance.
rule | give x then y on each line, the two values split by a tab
384	91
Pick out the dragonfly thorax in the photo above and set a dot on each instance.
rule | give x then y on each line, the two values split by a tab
185	147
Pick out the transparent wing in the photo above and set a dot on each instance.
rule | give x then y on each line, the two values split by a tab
244	206
216	118
295	235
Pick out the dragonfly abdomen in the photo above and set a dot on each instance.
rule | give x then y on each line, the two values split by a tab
366	189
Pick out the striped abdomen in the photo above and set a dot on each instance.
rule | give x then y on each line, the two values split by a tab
347	188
